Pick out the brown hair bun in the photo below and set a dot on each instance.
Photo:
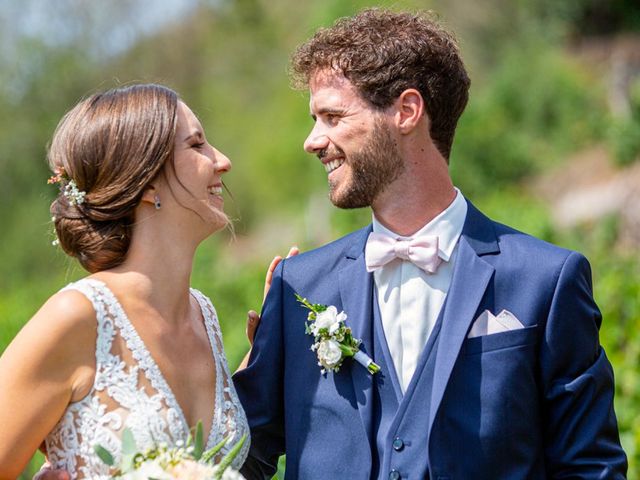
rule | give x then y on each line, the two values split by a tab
112	145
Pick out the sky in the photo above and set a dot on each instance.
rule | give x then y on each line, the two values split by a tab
103	28
117	22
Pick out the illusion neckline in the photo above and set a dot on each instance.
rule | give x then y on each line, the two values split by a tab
147	362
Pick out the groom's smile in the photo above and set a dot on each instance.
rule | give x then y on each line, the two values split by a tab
332	165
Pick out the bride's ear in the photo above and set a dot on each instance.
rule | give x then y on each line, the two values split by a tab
150	196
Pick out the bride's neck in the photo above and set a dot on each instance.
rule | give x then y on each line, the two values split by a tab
157	272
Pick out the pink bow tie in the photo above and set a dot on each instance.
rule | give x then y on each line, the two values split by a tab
421	251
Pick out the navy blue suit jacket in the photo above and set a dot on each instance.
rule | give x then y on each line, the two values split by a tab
523	404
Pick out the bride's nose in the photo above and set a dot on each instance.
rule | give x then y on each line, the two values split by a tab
222	162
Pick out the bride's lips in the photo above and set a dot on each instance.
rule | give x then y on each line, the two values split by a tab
215	190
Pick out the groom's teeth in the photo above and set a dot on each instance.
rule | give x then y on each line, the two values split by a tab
215	190
332	165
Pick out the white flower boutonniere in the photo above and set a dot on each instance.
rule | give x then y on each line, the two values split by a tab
333	340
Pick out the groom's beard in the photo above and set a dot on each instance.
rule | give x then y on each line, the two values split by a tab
375	166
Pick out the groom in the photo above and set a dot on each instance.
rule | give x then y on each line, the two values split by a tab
487	338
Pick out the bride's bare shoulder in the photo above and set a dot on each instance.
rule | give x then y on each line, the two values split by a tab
47	365
66	310
62	332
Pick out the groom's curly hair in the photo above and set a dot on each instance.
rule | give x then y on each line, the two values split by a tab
382	53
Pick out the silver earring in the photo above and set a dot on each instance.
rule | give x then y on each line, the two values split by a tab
156	202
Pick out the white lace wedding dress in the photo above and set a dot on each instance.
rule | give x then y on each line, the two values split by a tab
129	391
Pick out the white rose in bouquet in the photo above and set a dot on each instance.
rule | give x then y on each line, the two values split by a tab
148	469
190	470
186	461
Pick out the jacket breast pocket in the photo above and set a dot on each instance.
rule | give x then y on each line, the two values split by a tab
492	395
499	341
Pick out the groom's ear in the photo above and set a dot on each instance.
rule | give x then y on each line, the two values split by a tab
409	110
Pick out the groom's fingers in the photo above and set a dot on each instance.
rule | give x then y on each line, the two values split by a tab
293	251
253	319
269	278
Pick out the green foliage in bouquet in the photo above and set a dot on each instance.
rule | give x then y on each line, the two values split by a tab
184	456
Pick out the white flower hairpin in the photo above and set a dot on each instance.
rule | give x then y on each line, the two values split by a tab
68	186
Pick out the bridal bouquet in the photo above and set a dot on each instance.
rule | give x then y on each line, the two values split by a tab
333	340
186	461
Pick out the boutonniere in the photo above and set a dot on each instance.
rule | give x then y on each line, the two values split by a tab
333	341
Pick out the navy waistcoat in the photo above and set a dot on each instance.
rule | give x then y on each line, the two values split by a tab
400	452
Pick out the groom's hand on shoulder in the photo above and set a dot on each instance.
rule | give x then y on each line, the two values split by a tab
253	318
293	251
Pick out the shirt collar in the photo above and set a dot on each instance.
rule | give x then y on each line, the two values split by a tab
447	226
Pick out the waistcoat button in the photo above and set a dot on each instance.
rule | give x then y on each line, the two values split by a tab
394	475
397	444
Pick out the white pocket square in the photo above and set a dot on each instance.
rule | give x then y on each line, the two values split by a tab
488	323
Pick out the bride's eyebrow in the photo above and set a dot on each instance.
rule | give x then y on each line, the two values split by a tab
195	135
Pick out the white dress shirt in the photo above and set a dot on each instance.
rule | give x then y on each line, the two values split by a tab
410	299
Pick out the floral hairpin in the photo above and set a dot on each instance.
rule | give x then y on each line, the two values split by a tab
56	241
68	186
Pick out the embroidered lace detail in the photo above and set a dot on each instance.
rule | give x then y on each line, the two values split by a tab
129	391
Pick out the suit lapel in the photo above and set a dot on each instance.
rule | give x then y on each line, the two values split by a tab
356	292
470	279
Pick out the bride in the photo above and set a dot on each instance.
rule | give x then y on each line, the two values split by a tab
131	345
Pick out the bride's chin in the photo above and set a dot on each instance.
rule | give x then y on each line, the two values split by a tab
218	221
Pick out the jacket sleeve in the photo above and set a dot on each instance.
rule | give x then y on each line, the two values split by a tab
581	433
260	387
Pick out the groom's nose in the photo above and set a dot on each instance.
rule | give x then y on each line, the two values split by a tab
316	141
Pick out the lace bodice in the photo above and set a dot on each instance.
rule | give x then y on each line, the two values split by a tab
129	391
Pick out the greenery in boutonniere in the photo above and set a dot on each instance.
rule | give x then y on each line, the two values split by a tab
333	340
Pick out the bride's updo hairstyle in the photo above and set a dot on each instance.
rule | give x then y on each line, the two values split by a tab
112	145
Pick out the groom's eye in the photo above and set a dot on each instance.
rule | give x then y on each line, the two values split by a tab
332	119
